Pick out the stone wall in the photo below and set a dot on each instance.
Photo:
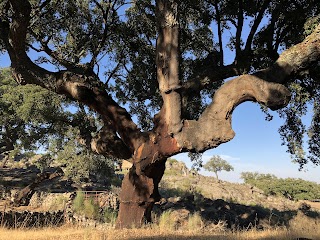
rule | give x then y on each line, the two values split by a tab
27	219
53	209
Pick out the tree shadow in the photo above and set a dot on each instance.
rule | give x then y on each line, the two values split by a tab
236	216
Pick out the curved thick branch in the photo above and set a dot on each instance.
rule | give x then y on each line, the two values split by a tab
106	142
265	87
214	126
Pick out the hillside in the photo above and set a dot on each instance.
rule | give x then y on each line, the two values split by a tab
178	179
184	192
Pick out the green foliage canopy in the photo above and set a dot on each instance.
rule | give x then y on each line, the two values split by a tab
34	118
79	163
295	189
29	115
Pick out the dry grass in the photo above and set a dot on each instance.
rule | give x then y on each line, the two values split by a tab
165	228
300	227
67	233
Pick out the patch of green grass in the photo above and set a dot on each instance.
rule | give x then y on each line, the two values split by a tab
110	216
166	221
195	222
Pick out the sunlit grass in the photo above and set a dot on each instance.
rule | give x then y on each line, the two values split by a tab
148	233
169	226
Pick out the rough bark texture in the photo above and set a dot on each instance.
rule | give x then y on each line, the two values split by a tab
139	189
121	137
138	195
214	125
168	63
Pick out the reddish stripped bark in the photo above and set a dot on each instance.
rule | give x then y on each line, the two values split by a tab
139	189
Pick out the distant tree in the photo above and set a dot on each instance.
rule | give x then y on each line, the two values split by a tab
78	163
217	164
250	177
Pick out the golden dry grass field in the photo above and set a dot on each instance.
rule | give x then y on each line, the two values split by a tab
300	228
70	233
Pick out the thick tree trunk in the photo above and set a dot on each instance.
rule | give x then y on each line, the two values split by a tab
140	187
138	195
167	62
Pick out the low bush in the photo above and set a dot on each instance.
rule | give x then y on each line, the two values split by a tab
87	207
109	216
195	222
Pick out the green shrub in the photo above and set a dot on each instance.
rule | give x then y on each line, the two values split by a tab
78	202
110	216
91	209
292	188
86	207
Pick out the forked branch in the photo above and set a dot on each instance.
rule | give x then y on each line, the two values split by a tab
214	125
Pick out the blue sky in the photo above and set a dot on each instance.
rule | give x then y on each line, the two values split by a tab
256	148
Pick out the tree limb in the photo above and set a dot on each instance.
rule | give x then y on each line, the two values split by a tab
219	32
239	29
265	87
255	25
207	77
85	88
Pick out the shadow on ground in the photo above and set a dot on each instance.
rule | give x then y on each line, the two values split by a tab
236	216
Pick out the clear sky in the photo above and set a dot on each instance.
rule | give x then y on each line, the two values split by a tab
256	148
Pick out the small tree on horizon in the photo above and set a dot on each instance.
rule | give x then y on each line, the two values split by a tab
217	164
